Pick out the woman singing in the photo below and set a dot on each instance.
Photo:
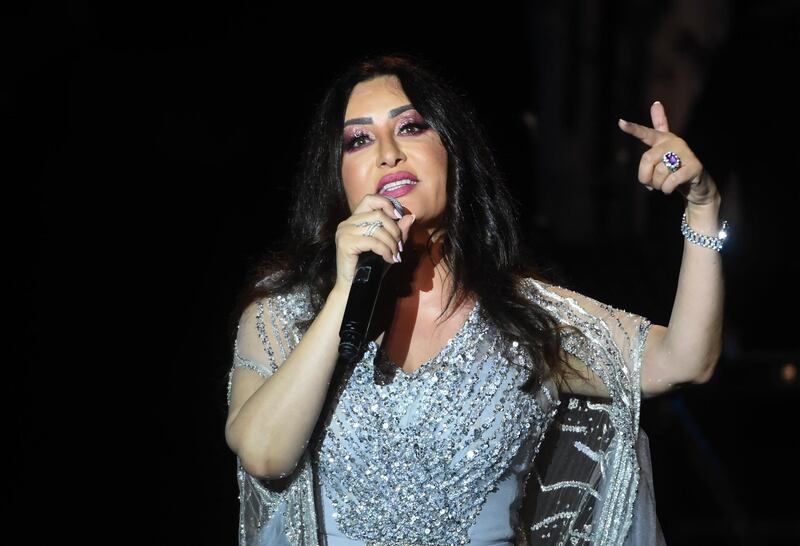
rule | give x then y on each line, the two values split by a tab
458	421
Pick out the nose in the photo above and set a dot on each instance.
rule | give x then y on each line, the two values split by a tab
390	153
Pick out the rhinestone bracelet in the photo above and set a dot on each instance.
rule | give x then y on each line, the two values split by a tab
704	240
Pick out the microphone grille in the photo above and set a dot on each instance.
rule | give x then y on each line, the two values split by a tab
397	206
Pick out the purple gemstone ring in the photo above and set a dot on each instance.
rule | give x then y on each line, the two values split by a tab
672	161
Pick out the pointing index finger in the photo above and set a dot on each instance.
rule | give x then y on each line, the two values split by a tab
645	134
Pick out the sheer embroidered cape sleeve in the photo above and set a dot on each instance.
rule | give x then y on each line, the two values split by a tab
275	512
591	481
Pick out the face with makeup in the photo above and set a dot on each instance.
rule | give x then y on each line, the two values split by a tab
384	135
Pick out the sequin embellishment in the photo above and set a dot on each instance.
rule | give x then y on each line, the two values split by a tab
414	458
456	422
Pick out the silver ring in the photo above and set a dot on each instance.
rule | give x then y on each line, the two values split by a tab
672	161
372	226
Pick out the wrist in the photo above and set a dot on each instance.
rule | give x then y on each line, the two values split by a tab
704	229
704	218
340	290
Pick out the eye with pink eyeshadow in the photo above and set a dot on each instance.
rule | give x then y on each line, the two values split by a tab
409	122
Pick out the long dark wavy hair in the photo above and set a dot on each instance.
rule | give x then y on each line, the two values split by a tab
482	245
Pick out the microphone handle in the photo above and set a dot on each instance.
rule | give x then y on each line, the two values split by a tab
369	274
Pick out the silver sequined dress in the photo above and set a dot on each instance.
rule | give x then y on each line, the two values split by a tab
444	455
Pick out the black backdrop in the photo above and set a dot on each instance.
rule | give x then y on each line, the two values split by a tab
153	148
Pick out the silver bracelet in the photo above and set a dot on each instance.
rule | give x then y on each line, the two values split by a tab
704	240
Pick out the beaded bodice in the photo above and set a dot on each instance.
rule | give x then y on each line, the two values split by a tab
413	455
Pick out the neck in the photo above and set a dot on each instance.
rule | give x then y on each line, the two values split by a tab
422	275
417	287
414	291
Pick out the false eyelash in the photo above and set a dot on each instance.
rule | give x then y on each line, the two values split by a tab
350	144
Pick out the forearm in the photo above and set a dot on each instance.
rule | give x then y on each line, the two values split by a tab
693	341
274	425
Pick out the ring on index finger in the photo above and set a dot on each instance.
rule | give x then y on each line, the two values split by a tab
372	226
672	161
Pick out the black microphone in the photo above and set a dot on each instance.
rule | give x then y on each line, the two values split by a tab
370	270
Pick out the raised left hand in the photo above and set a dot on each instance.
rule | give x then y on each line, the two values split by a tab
690	179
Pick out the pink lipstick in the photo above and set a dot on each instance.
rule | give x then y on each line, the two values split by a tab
397	184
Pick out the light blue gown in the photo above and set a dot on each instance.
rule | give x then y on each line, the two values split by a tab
446	454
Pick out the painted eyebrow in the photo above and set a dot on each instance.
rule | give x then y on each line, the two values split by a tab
367	121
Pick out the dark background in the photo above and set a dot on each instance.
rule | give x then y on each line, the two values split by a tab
152	148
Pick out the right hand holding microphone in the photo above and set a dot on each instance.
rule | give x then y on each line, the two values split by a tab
374	225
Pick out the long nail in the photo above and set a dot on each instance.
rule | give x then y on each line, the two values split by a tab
400	244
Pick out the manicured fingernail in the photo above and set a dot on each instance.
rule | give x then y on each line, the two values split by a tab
413	217
397	213
397	258
649	188
400	244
